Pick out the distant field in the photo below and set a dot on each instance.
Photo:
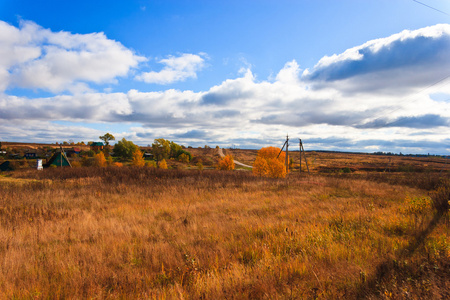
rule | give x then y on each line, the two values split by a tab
184	234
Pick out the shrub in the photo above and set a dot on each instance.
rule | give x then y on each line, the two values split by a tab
226	163
187	156
346	170
76	164
163	164
277	169
260	167
150	164
269	164
99	160
184	158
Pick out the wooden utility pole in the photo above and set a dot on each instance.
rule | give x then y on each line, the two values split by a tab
287	154
61	156
304	155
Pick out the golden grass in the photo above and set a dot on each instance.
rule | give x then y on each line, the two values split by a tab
148	233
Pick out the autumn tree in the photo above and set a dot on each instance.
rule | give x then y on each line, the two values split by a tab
269	162
138	158
99	160
260	167
226	163
106	138
161	149
183	158
165	149
125	149
162	164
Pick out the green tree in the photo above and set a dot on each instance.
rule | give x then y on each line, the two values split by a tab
175	149
161	149
106	138
125	149
185	154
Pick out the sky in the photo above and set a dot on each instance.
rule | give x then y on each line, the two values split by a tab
348	75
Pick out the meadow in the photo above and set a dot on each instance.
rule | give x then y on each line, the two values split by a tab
146	233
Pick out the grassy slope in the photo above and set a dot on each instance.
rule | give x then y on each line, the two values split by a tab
140	233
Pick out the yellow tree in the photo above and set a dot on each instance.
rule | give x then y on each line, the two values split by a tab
162	164
99	160
268	164
260	167
226	163
138	159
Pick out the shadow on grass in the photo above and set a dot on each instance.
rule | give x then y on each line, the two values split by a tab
389	267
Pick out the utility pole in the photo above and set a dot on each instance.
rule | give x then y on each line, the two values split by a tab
300	148
304	155
287	154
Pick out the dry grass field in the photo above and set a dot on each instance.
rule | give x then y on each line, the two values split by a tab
145	233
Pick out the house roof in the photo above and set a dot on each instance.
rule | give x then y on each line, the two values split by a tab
58	159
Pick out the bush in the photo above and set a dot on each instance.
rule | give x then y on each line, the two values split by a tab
187	156
269	164
346	170
226	163
163	164
99	160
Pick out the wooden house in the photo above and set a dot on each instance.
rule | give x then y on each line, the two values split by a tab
97	146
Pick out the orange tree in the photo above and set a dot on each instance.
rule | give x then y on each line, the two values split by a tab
162	164
226	163
267	163
99	160
138	158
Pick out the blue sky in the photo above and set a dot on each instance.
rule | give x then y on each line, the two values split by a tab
342	75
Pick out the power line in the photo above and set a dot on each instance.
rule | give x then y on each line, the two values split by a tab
443	12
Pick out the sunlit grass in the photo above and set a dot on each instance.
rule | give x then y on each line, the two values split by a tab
143	233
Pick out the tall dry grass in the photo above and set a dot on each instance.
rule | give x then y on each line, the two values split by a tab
151	233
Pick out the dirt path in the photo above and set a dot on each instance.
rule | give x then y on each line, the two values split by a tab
219	150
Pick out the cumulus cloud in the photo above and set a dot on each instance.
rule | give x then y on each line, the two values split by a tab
336	106
407	59
37	58
176	68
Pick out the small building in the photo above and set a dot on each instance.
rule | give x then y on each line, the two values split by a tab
59	159
148	155
76	150
97	146
73	151
30	154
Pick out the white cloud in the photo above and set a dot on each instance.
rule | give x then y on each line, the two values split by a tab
248	112
395	64
37	58
176	69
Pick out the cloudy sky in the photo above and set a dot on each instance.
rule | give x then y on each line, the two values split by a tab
346	75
